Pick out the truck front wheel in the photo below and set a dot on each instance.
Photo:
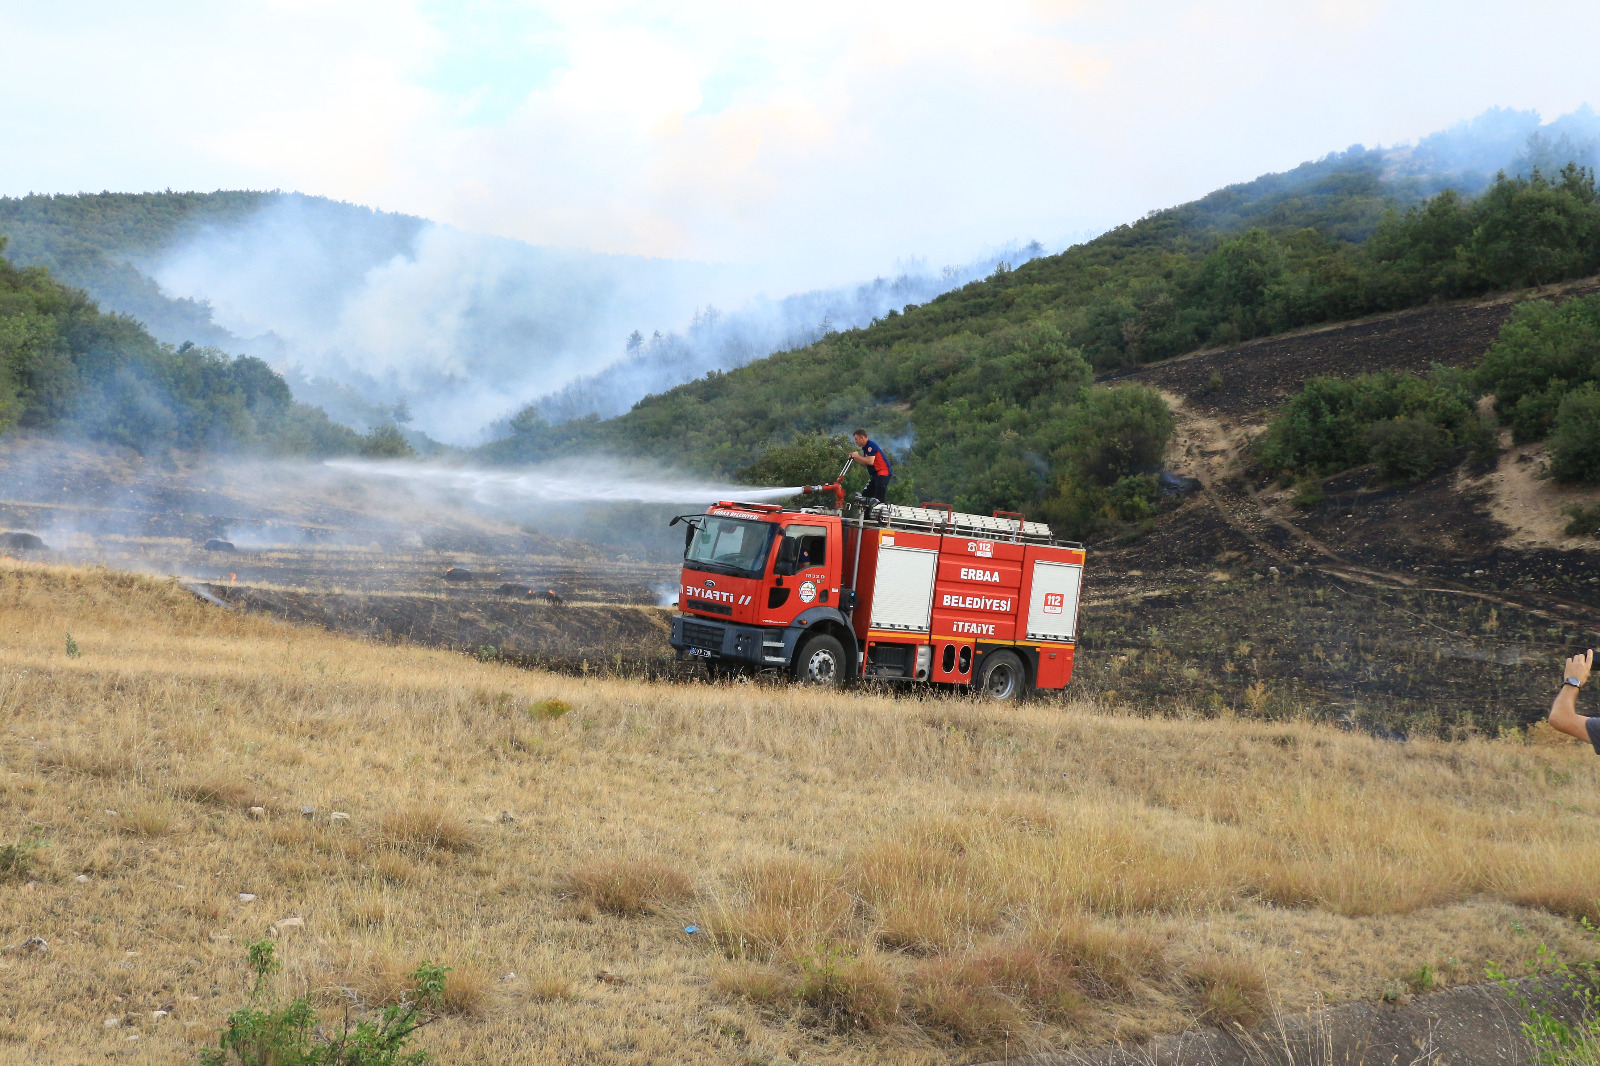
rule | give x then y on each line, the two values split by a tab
1001	677
821	662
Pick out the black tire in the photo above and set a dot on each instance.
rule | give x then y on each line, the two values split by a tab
1001	677
821	661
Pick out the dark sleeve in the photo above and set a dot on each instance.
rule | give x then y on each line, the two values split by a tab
1592	727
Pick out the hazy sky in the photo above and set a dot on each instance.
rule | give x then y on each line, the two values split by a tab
826	139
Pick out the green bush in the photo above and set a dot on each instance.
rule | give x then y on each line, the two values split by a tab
1112	444
1308	494
1115	432
810	459
1407	447
1583	521
1408	425
1532	231
16	859
1543	350
1238	278
1416	256
1575	441
386	442
289	1034
1562	1033
1534	415
1133	498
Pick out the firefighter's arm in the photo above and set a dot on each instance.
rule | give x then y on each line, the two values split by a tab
1564	711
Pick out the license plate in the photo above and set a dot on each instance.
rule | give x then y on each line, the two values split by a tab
700	652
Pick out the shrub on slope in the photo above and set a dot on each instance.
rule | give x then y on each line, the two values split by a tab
1410	425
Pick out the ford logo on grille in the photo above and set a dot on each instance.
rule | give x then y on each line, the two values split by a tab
710	584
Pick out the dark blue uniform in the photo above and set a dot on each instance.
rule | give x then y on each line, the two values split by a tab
880	472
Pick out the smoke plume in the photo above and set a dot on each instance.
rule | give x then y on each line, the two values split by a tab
363	310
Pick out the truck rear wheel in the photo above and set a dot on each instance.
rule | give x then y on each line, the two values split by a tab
1001	677
821	661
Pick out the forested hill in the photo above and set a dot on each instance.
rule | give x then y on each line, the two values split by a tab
103	243
65	366
984	394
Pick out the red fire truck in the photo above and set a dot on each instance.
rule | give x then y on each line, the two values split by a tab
926	593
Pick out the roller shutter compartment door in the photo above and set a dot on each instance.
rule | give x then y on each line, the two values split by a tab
902	593
1053	604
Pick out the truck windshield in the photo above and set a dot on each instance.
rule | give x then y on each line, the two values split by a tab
730	545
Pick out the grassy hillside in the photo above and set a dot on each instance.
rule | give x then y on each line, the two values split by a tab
1000	881
975	387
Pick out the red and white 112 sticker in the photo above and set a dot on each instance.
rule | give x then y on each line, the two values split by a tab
1054	602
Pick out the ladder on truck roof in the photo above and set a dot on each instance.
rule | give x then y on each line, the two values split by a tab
935	518
939	519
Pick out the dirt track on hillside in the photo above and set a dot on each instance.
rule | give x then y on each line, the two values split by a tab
1396	607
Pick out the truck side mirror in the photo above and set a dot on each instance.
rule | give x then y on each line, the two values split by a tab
689	527
788	556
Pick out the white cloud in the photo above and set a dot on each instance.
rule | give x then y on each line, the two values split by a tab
827	140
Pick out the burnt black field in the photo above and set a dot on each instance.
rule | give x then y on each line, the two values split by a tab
1398	609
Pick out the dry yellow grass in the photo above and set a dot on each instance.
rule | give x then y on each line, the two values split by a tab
627	886
873	879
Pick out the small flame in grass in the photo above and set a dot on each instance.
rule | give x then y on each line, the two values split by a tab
232	578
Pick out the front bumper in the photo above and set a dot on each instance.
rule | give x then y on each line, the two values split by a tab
707	638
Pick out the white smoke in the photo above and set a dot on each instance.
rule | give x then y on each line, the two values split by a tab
465	328
1468	154
564	483
362	310
717	341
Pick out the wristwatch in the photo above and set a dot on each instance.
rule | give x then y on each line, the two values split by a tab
1574	682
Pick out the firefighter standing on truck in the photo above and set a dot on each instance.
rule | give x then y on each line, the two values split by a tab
878	472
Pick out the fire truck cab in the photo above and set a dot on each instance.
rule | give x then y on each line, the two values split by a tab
879	591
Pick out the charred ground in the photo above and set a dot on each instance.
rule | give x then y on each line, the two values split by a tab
300	544
1441	605
580	637
1438	606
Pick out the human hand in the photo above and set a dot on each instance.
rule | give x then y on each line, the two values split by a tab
1578	666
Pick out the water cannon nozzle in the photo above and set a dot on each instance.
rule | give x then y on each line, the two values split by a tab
835	488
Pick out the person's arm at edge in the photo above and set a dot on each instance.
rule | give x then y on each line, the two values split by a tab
1564	714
